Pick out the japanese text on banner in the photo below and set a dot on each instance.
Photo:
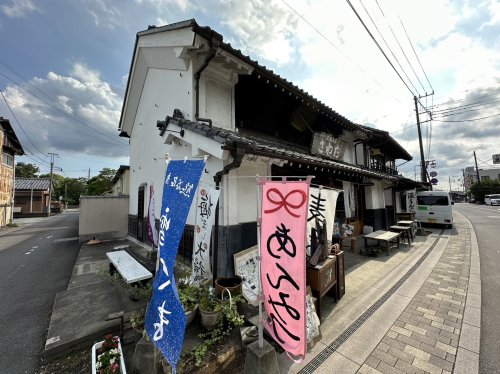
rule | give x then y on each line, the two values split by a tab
282	242
165	318
205	216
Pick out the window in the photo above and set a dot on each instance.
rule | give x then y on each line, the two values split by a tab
485	178
7	159
432	200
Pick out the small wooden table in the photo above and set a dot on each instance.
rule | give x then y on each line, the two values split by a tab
382	236
404	230
409	224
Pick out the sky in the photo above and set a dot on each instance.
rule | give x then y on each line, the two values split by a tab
64	67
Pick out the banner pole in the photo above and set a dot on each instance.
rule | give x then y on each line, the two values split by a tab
259	288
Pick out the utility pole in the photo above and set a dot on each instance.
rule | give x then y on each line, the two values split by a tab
463	179
52	155
477	170
423	171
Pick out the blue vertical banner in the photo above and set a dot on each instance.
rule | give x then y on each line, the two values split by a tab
165	318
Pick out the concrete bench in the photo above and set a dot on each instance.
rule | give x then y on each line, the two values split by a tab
131	270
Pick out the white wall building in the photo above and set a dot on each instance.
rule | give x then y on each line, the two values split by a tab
190	94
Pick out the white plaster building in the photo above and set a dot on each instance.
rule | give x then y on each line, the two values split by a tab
190	94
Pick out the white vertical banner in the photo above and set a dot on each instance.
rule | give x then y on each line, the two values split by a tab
411	201
206	203
322	205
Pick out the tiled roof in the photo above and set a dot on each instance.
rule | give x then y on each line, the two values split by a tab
12	141
120	172
259	70
257	145
381	139
32	183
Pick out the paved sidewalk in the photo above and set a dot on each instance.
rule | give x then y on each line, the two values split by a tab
421	317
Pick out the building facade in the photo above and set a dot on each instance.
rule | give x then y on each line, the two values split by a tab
31	197
11	147
191	95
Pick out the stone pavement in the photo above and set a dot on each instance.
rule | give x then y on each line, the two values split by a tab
423	316
415	311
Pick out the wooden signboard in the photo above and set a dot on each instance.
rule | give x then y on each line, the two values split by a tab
328	146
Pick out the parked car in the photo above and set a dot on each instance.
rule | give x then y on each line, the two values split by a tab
492	199
435	207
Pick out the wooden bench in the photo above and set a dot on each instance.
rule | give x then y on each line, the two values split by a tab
131	270
382	236
406	232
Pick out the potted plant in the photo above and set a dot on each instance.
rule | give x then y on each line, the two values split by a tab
233	284
228	318
189	295
107	356
209	308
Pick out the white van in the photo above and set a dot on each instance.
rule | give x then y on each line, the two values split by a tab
434	207
492	199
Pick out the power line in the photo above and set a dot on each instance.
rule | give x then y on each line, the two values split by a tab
400	47
453	101
378	45
19	123
469	120
449	109
418	59
460	112
74	118
334	46
389	48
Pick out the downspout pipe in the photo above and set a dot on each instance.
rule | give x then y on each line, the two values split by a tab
237	154
214	43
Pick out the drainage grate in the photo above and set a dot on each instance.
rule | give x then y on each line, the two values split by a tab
332	347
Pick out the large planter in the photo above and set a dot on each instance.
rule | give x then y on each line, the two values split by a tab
209	318
233	284
190	314
96	346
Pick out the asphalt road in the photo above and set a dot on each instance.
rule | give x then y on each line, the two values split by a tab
36	262
486	222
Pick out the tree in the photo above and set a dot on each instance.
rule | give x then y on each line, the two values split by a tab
73	189
485	188
24	170
57	181
101	183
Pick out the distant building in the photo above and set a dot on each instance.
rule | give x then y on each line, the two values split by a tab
31	197
484	175
470	177
121	181
489	174
11	147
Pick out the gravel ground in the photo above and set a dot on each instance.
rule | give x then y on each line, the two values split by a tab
75	363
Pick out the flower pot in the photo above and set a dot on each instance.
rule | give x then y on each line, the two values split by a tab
233	284
209	318
190	315
96	346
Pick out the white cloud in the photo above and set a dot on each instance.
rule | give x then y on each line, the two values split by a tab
19	8
258	27
104	14
78	113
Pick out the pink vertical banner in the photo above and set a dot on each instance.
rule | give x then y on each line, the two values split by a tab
283	263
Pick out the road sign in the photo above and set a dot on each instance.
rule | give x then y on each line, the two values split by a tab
433	174
434	181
